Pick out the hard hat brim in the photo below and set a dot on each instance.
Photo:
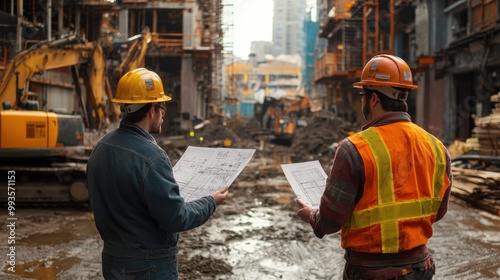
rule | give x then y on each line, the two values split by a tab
383	84
165	98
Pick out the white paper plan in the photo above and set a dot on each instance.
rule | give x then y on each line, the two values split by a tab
308	180
201	171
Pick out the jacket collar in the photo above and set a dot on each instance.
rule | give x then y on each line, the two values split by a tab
388	118
133	128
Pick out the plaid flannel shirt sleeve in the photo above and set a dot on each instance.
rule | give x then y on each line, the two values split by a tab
343	189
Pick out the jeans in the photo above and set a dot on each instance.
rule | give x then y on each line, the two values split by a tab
119	268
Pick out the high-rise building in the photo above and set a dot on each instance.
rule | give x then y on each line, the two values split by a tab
310	35
288	31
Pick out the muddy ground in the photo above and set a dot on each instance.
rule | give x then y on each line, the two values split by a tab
255	234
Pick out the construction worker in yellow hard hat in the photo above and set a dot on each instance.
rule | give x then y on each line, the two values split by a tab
135	198
388	183
140	93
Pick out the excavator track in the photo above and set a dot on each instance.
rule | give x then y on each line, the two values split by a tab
59	183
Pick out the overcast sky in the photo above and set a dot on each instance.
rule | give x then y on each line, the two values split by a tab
252	21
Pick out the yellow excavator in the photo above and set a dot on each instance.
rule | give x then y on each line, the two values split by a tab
53	97
135	53
281	117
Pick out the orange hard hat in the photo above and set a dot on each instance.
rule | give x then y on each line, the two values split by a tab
386	70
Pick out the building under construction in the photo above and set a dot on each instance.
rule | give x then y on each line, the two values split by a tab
453	48
185	47
354	32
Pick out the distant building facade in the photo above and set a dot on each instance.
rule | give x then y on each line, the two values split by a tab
248	82
288	31
310	36
260	49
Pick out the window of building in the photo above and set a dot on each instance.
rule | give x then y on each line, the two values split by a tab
459	23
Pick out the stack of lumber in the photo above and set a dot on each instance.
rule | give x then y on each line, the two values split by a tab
477	187
487	130
481	188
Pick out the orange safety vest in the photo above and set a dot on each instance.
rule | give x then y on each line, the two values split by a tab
405	182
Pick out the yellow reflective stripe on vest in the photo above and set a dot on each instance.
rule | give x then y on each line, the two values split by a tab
400	211
384	165
439	170
389	227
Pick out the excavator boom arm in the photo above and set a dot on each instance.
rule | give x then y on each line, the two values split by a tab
33	61
37	60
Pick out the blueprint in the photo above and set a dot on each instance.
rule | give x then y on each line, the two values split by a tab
308	180
201	171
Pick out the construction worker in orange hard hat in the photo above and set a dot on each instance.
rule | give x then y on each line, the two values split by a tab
135	198
388	183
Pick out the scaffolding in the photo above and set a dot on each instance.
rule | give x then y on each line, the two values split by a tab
217	60
376	38
228	25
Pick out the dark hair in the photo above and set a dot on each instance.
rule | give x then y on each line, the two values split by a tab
387	103
138	115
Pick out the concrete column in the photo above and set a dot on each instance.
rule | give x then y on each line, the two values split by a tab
188	27
60	17
19	38
123	24
49	19
78	17
449	114
188	92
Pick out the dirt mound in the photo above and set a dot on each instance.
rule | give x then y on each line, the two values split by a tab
323	129
215	131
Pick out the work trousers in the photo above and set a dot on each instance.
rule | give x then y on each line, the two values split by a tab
422	271
414	264
119	268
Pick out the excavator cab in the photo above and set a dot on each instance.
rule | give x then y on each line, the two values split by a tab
281	117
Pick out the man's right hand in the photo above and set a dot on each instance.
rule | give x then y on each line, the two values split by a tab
220	195
305	212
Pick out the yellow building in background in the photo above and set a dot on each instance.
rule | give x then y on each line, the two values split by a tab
276	76
248	82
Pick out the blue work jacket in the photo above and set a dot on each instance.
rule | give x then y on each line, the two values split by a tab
135	198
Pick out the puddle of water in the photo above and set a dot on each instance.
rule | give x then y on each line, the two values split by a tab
42	269
279	266
256	218
247	245
66	233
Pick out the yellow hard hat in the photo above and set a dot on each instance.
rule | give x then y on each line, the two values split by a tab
140	86
386	71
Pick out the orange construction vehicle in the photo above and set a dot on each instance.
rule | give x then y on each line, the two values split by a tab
280	117
54	97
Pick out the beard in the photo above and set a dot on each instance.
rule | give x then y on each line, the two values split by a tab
156	130
156	127
366	111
